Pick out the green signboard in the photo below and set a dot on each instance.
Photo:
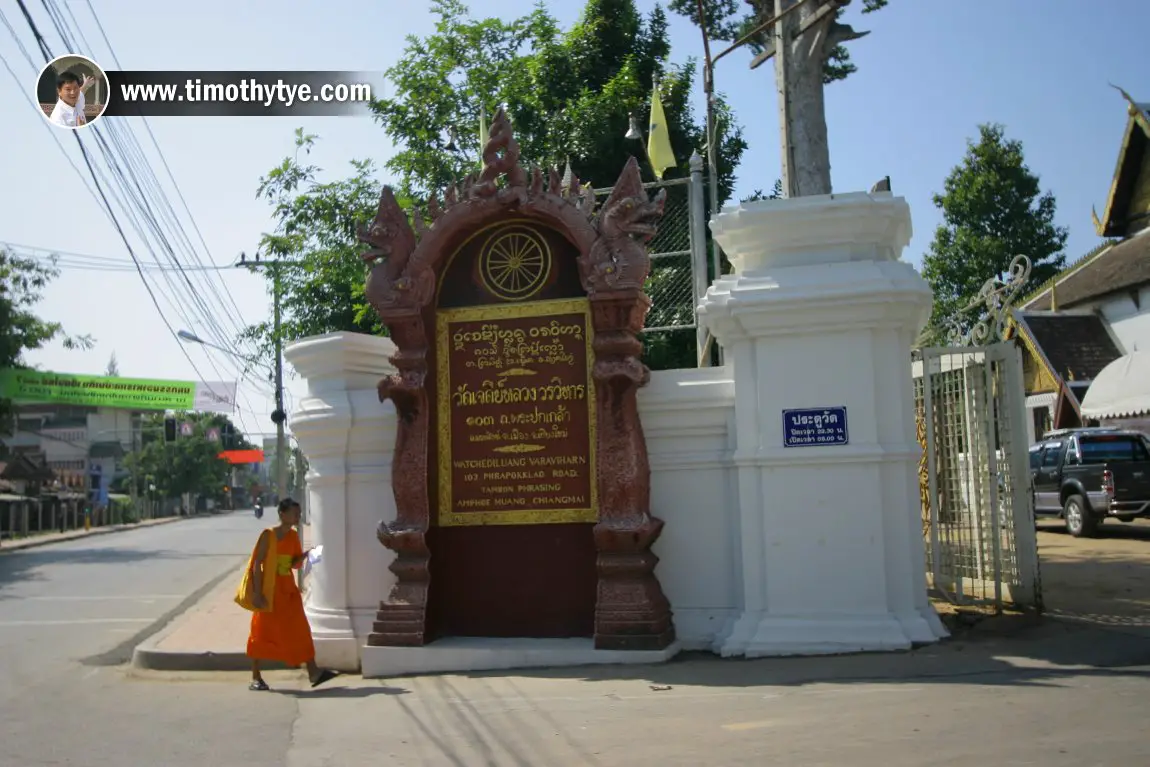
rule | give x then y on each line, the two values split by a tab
43	387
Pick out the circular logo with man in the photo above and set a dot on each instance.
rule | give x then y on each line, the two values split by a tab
72	92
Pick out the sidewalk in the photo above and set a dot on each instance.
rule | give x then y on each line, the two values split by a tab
211	636
49	538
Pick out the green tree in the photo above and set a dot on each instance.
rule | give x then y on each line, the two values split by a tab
316	225
22	283
191	464
113	369
569	95
993	210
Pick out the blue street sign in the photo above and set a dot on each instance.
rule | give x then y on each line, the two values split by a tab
812	427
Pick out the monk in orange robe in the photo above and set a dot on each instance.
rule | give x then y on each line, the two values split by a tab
282	633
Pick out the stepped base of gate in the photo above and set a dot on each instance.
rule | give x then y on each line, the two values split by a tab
828	634
462	654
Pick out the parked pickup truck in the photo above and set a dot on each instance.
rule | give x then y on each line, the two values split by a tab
1086	475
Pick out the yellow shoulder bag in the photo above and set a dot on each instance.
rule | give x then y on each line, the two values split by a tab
246	591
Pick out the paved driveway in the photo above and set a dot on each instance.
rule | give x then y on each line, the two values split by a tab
1104	580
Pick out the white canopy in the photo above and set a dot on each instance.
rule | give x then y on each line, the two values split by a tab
1121	389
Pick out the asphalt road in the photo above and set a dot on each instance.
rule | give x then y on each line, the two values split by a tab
71	613
1062	694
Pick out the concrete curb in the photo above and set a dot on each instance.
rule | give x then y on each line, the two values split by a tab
149	656
33	543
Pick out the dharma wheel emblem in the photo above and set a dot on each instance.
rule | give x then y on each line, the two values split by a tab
515	263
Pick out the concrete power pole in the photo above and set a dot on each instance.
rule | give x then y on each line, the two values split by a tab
279	416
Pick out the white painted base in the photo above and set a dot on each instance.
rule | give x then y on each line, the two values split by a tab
455	654
703	628
336	646
772	635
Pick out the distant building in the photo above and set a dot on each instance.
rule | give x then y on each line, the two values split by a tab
1086	334
75	442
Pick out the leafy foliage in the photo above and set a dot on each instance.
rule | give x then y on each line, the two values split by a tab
728	21
113	369
22	283
569	95
993	210
776	193
315	234
191	464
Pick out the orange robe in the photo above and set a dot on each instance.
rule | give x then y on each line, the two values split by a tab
283	633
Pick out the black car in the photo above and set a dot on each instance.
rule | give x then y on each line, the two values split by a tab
1086	475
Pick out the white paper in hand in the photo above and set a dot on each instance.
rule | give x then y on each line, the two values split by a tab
314	557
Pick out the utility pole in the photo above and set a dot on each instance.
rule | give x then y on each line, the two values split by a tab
279	416
709	63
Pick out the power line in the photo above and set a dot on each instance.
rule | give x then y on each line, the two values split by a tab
138	170
89	262
44	49
52	131
137	173
140	186
47	53
167	168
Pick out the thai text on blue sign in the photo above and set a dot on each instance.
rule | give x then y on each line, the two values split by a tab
815	426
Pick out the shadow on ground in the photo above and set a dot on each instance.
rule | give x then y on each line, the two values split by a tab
28	565
1097	623
1104	581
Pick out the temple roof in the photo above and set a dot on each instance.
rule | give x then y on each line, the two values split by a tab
1111	268
1075	347
1135	143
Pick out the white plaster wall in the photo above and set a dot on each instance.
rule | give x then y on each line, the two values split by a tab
821	546
348	437
688	421
1129	322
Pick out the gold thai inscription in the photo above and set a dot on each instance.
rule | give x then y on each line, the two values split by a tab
516	414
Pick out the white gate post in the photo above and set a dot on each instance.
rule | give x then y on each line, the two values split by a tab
1022	511
817	321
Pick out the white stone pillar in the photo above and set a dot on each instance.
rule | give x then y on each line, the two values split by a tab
348	437
821	313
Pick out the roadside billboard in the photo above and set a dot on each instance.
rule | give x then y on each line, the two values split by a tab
45	387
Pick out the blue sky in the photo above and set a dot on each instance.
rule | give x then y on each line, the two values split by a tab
930	71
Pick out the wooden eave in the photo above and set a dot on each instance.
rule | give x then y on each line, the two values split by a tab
1135	143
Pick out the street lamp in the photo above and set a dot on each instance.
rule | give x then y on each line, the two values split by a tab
278	416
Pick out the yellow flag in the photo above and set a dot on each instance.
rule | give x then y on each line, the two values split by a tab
659	150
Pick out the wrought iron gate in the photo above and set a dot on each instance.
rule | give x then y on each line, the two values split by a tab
974	476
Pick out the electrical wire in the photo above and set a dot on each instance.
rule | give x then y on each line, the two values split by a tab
46	51
88	262
167	169
136	173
